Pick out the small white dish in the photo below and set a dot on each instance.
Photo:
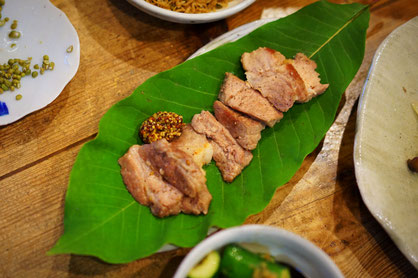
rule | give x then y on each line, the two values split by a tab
45	30
387	135
283	245
234	7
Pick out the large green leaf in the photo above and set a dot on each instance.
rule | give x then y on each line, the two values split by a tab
102	218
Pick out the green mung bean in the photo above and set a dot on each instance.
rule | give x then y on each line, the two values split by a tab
14	35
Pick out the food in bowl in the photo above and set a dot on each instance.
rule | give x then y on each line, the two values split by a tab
237	261
190	6
297	255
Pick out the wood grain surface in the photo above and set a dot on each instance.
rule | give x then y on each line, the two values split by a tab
120	48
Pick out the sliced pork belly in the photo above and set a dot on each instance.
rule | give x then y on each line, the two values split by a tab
195	144
246	131
177	167
306	69
268	72
282	81
276	86
199	204
147	186
262	59
229	156
236	94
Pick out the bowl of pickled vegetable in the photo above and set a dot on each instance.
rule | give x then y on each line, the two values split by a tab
256	251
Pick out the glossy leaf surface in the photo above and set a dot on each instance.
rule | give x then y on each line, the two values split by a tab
101	217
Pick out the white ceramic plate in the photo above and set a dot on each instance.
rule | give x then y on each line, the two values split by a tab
234	7
284	246
387	135
45	30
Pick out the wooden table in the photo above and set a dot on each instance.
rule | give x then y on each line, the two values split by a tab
120	48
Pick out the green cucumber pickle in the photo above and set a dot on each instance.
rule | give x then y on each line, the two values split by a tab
239	262
207	268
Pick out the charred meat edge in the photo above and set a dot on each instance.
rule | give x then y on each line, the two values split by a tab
236	94
282	81
245	130
229	156
176	167
149	188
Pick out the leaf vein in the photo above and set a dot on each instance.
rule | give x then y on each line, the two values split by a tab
184	86
336	61
296	133
278	149
100	225
176	103
296	39
138	218
279	46
309	120
308	30
343	48
135	108
322	22
207	74
261	172
106	185
105	168
118	123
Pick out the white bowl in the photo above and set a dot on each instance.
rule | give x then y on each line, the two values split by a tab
283	245
234	7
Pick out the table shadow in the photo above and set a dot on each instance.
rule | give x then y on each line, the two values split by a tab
162	264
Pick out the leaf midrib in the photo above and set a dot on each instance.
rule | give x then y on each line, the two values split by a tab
354	17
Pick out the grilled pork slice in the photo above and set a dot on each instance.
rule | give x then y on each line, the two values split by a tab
246	131
177	167
282	81
281	87
306	69
194	144
267	72
262	59
236	94
147	186
199	204
229	156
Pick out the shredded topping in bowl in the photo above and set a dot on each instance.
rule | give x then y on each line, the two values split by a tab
190	6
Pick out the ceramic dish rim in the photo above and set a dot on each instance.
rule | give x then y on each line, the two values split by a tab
357	158
189	18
